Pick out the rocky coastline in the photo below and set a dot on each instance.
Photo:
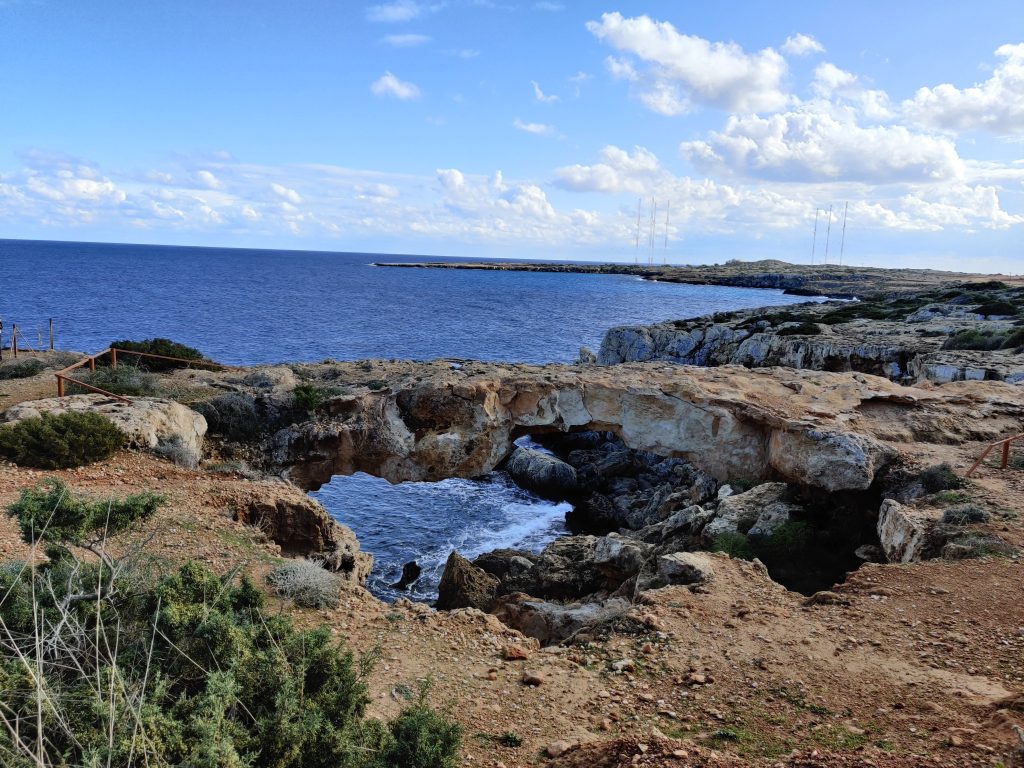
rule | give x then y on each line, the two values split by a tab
806	455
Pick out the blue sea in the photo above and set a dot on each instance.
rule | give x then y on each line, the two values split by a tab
245	306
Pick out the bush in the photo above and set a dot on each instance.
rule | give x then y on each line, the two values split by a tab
176	450
996	308
164	347
51	509
940	477
376	384
800	329
306	583
123	380
964	514
21	369
61	441
984	340
734	544
233	416
307	396
184	669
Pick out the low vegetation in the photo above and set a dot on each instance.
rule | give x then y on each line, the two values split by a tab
940	477
61	441
306	583
21	369
233	416
163	347
104	661
986	339
128	380
800	329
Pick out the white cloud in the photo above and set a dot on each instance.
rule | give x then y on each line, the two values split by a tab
463	53
537	129
621	69
665	98
997	104
813	144
802	45
209	180
618	171
400	10
409	40
830	79
389	85
716	74
542	97
286	193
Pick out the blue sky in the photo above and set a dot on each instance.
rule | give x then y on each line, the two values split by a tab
525	129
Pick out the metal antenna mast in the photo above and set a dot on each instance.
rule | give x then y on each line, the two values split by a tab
842	243
668	207
828	232
814	240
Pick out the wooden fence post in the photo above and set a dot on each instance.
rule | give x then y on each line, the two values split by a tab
51	334
113	357
60	386
1004	462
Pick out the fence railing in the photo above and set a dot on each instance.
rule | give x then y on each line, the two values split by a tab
1004	459
113	352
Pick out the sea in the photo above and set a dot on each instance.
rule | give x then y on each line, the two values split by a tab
252	306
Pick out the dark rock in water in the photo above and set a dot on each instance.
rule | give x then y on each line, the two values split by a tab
410	573
545	475
463	585
563	571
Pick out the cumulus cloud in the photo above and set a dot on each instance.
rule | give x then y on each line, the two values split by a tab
802	45
537	129
389	85
209	180
542	97
715	74
996	105
398	11
286	193
409	40
830	79
618	171
813	144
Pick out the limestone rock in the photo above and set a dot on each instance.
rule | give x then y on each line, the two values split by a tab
757	512
463	585
685	568
903	532
147	422
618	558
550	622
545	475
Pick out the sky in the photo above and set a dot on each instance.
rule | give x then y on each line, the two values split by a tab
521	129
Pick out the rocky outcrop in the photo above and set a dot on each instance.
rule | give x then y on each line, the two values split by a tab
550	622
464	585
146	422
758	512
545	475
302	528
824	430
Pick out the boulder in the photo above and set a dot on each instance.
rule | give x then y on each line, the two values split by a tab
554	622
618	558
410	573
756	512
903	532
147	422
685	568
541	473
463	585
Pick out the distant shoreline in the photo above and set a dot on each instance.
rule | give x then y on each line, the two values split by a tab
830	280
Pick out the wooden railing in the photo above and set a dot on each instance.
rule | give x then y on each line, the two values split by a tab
113	352
1004	460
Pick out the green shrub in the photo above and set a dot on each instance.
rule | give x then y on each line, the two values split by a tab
123	380
70	439
788	541
308	397
234	416
734	544
159	346
306	583
510	739
51	509
940	477
996	308
22	369
800	329
184	669
376	384
971	338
